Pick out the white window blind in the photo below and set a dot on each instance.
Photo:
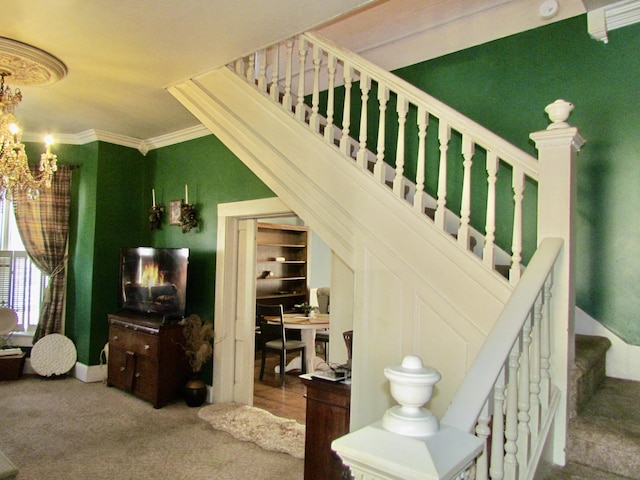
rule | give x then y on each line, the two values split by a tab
22	285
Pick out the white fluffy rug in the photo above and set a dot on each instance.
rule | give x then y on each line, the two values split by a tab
255	425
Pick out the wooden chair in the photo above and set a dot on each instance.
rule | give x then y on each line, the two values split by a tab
273	337
322	336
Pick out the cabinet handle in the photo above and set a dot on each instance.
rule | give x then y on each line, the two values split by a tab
115	337
122	369
137	375
147	347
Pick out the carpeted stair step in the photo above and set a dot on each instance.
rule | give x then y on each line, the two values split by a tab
588	373
606	433
573	471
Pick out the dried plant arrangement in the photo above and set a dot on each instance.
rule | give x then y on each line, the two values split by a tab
199	337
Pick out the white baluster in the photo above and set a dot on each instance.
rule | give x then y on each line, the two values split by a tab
261	56
251	70
365	86
483	431
315	97
286	98
346	114
488	254
275	75
398	181
302	57
422	121
524	436
496	470
534	401
468	150
545	346
516	243
444	135
383	98
511	422
239	66
331	69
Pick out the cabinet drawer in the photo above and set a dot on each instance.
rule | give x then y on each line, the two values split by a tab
146	379
136	342
118	366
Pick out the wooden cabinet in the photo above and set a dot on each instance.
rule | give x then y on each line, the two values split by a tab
327	418
146	358
281	265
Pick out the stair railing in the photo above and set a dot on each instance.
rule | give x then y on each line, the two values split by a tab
507	398
530	374
423	167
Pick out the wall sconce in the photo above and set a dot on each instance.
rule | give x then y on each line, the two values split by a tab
156	213
188	213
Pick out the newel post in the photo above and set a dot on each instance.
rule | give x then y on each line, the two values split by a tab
558	147
408	443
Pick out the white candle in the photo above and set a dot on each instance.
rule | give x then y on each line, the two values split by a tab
48	141
186	194
153	196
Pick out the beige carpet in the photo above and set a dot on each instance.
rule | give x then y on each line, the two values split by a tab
255	425
64	429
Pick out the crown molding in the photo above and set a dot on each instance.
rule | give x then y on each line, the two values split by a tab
143	146
611	16
180	136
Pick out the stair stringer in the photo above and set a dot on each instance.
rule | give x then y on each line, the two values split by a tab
415	290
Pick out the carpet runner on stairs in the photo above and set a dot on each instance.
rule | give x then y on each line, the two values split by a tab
604	430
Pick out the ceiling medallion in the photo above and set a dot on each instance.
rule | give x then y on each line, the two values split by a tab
29	65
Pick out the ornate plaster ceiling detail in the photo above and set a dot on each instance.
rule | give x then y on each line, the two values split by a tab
29	65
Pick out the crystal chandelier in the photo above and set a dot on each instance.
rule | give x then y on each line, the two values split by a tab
14	167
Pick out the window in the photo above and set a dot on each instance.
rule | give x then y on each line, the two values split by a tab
22	285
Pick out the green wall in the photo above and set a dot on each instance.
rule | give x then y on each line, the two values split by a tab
505	85
111	197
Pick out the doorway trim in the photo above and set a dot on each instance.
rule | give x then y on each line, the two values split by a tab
232	364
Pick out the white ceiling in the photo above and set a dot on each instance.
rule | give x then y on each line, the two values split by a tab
121	54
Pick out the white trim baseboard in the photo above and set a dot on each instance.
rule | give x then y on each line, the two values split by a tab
90	373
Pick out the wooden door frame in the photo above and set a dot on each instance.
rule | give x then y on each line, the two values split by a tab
233	360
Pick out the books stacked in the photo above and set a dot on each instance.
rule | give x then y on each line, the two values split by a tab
5	352
335	375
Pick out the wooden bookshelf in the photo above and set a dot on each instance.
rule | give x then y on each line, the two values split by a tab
281	265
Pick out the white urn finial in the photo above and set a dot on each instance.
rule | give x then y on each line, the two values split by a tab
411	386
558	112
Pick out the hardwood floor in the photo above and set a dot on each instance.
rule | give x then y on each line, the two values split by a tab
288	401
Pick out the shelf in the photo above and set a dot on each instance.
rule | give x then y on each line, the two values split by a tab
289	244
281	295
282	278
291	262
281	245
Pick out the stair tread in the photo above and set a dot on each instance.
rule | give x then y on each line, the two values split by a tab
574	471
606	433
590	349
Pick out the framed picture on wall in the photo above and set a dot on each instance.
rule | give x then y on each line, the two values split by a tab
174	212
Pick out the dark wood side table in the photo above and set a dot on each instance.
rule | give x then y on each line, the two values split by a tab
328	410
146	358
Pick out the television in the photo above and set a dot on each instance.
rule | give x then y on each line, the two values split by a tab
154	280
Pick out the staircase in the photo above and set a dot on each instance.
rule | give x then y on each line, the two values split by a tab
424	267
604	431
